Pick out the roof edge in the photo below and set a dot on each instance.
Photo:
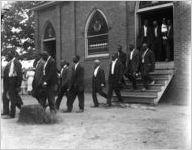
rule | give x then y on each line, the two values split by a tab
41	6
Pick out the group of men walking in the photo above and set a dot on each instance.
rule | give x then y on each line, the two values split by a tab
48	82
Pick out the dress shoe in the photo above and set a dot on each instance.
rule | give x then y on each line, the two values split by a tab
94	106
66	111
80	111
152	83
8	117
3	114
143	89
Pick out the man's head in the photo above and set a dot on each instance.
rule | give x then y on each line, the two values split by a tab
119	48
155	23
164	21
76	59
169	22
44	55
145	46
10	55
114	56
146	22
97	62
131	47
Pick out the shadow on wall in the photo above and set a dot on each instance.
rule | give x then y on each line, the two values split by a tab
174	95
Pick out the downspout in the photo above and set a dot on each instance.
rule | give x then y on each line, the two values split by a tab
126	7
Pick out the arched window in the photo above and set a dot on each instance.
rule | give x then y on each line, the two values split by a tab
96	35
49	31
49	40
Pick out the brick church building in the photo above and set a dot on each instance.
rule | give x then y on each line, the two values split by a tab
94	29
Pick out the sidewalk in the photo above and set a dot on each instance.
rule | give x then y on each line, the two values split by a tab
135	126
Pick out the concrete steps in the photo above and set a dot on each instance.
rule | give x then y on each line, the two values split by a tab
162	76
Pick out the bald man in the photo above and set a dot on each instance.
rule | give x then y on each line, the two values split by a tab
98	82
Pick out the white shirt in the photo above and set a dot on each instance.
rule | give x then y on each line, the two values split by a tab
131	55
45	65
12	72
76	65
156	31
113	66
65	66
96	70
145	31
144	55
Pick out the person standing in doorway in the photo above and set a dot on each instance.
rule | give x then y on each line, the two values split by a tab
156	41
114	80
98	82
76	86
169	53
145	34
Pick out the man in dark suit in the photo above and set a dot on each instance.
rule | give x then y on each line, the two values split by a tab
133	62
50	79
12	83
64	83
145	34
147	66
115	77
98	82
76	86
38	91
156	41
169	53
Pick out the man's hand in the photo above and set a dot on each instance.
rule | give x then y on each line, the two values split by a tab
44	84
102	85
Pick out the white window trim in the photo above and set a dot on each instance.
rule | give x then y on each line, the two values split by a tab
86	37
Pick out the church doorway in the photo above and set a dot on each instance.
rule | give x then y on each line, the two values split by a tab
158	12
49	41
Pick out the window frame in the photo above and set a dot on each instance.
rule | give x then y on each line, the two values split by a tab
86	35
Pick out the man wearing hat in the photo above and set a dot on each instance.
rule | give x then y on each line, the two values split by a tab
98	82
64	82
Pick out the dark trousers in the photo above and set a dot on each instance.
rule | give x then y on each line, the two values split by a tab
114	87
132	78
62	91
157	49
166	49
145	76
5	102
94	95
51	98
73	92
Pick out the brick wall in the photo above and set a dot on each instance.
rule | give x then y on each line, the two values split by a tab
179	89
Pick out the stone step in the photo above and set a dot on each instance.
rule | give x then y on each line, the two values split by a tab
157	81
145	100
138	94
164	65
162	72
151	87
139	90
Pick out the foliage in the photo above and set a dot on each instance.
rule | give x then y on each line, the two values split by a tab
18	25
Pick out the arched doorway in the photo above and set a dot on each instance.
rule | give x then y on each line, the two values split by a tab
49	40
155	11
96	35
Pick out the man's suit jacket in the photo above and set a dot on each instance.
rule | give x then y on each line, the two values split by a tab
65	77
133	65
141	35
159	36
118	73
38	77
149	61
18	70
99	79
122	57
77	78
50	73
170	34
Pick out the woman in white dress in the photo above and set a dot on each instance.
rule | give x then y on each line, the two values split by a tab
30	75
